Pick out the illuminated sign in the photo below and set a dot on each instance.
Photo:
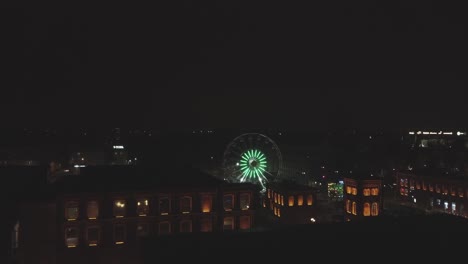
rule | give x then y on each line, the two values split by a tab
118	147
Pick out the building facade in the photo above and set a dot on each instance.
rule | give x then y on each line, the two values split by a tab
290	203
362	198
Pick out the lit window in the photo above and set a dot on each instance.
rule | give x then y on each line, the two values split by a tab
282	200
93	210
354	190
300	200
354	208
93	236
444	189
275	211
276	197
310	199
348	206
71	237
460	192
142	230
431	188
142	207
228	202
119	208
348	190
244	201
446	205
206	225
119	234
454	207
367	209
418	185
71	211
164	228
269	193
207	203
228	223
412	184
186	204
437	188
366	192
291	200
453	191
244	222
375	191
375	209
185	226
264	203
15	235
424	186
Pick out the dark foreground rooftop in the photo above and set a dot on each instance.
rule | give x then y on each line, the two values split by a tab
382	237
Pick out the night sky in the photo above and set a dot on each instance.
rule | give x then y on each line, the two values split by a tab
237	64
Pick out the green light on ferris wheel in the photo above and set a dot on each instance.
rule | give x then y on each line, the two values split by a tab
253	165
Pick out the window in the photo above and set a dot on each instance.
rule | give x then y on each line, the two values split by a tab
354	208
269	193
206	225
276	197
228	223
282	199
185	226
375	191
93	236
279	212
348	206
263	202
454	207
460	192
418	185
424	186
206	203
164	228
15	235
71	211
71	237
348	190
228	202
354	190
300	200
164	205
119	234
310	199
375	209
186	204
244	201
142	207
275	211
367	209
431	188
437	187
366	192
142	230
244	222
444	189
93	210
119	208
453	191
291	200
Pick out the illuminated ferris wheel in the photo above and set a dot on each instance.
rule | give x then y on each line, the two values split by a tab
252	158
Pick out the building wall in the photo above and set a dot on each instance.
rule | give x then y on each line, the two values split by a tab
433	194
360	196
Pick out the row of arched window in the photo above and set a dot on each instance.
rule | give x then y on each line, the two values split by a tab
368	208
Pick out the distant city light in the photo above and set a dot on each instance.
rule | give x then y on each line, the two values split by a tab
461	133
118	147
312	220
411	133
79	166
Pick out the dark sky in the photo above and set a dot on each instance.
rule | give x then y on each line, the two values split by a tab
237	64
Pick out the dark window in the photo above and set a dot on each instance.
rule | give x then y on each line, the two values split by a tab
228	223
228	202
206	225
245	201
142	207
142	230
164	205
93	236
93	210
186	204
71	237
186	226
119	234
71	211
